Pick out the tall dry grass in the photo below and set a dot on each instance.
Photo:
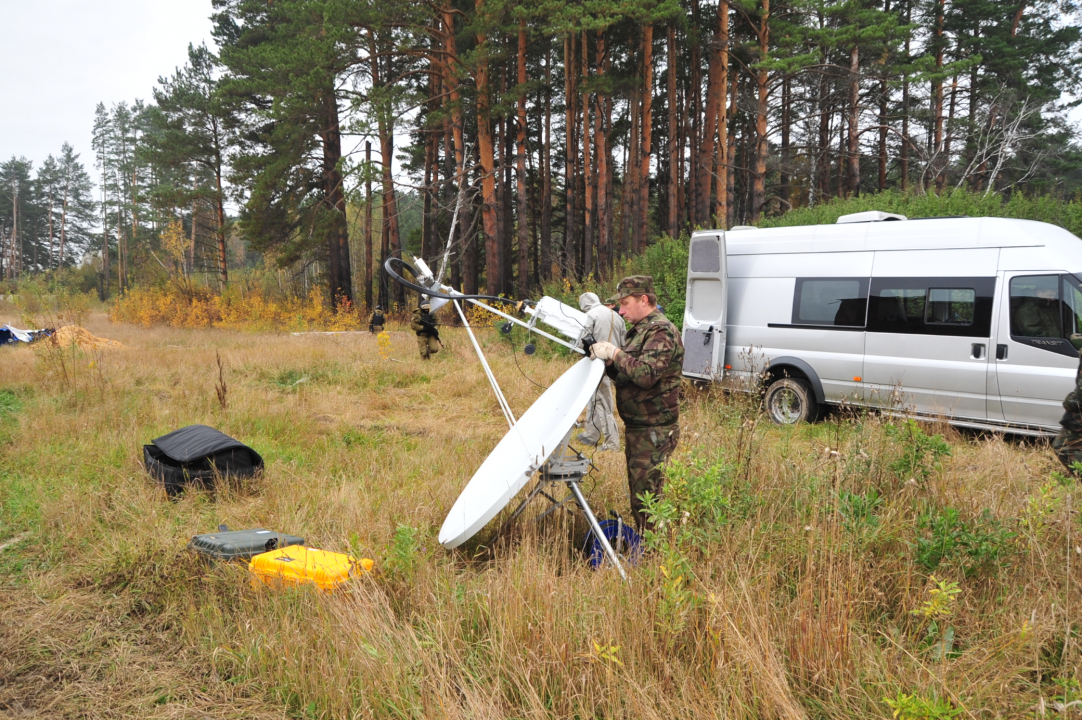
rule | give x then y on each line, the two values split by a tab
783	584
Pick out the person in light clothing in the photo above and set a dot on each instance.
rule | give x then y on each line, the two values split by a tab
605	326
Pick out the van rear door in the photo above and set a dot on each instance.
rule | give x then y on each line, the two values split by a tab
704	310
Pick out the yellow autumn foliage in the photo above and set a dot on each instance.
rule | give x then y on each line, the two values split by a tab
185	305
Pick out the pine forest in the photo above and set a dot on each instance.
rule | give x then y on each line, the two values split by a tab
538	140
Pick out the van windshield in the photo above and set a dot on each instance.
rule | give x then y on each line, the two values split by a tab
1072	305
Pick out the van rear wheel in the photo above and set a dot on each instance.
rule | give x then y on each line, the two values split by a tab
789	401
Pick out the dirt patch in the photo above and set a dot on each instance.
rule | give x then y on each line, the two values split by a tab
75	335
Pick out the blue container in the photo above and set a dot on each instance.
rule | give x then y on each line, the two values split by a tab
623	538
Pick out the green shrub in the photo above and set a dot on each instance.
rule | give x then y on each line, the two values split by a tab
983	544
919	453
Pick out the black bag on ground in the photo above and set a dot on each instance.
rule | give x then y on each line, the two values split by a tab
196	455
241	544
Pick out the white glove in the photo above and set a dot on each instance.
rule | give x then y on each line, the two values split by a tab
603	351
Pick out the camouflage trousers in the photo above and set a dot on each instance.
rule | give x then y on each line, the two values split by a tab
375	329
646	450
1068	443
428	346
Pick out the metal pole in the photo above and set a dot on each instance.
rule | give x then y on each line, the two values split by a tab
597	529
488	371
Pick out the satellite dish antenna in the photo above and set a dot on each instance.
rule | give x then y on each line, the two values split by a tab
522	452
540	439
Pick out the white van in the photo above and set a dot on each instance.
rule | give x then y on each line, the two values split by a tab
962	318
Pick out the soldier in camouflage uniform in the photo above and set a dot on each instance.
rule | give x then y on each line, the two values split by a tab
428	337
646	372
1068	443
376	322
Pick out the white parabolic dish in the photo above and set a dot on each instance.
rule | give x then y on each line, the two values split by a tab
521	452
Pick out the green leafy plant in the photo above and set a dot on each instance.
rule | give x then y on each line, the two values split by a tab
858	511
1068	701
915	707
405	551
939	605
920	453
981	545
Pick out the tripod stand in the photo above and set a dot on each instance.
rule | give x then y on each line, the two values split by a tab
567	466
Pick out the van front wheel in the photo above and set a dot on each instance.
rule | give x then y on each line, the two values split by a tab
789	401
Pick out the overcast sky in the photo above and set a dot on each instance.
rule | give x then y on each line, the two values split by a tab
60	58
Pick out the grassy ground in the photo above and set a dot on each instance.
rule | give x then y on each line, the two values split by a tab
793	578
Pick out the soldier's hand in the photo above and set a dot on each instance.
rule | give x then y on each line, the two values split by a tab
603	351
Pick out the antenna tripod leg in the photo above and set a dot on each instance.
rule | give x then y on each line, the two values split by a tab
597	529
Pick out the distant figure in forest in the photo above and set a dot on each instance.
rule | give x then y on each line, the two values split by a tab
604	325
376	322
428	337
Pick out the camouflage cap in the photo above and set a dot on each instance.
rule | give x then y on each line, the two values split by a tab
634	285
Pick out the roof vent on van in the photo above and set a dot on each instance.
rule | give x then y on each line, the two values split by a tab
869	216
743	227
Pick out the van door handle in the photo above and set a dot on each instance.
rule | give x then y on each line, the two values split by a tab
1001	352
978	350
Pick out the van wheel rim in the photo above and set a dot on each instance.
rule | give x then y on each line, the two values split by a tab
785	406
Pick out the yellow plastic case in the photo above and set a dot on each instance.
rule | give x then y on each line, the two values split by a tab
298	564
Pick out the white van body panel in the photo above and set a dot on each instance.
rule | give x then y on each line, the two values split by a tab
954	373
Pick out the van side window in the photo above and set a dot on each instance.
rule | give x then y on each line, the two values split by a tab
1035	310
1045	311
830	301
932	306
950	306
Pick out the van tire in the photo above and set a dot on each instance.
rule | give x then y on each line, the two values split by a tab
788	401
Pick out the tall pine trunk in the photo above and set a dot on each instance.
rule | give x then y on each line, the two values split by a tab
630	194
368	225
570	157
523	212
786	127
671	224
721	208
853	149
486	150
546	173
589	171
762	80
646	127
602	118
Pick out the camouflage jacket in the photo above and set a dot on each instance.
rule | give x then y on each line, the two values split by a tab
647	373
424	323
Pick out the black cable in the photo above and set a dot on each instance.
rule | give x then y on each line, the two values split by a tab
514	354
388	267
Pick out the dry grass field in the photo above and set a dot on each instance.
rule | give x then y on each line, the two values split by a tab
815	572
